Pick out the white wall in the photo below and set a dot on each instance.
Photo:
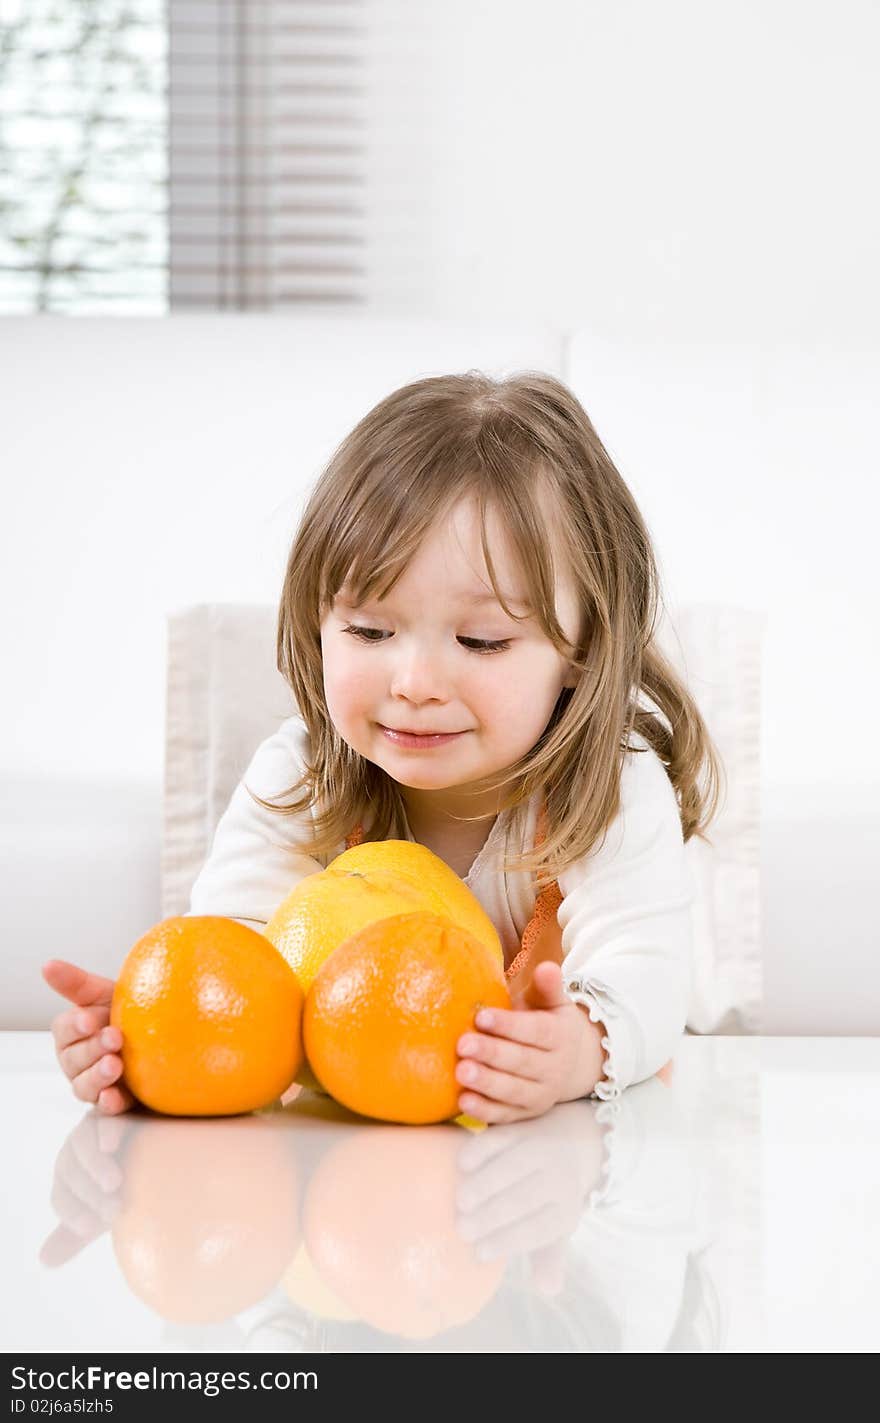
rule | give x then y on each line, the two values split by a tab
686	171
757	471
151	463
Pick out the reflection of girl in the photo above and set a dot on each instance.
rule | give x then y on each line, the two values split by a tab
634	1276
698	1327
593	1212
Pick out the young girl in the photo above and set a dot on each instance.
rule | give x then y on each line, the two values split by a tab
467	626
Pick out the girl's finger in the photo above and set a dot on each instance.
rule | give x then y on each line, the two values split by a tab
484	1109
534	1027
500	1086
89	1085
85	1053
519	1059
114	1100
78	1026
77	984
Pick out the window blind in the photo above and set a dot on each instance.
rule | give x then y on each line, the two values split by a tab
267	155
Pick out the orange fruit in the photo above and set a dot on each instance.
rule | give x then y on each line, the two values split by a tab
397	1262
443	891
385	1012
369	882
211	1018
373	881
219	1246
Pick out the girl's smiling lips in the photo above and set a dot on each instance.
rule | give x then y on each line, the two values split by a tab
418	739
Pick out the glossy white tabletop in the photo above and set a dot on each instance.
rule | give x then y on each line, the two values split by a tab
735	1208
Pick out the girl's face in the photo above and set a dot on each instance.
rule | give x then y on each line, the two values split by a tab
414	663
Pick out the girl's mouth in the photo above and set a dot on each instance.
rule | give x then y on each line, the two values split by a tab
418	743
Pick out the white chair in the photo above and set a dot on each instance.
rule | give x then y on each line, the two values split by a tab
225	696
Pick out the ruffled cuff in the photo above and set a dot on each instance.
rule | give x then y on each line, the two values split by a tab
608	1088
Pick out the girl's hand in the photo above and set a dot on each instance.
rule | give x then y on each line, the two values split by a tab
86	1047
528	1060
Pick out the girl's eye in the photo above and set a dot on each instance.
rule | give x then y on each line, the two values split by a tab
473	644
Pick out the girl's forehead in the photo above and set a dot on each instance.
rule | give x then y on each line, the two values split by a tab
453	543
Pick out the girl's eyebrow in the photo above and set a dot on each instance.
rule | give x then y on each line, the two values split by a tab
490	598
476	599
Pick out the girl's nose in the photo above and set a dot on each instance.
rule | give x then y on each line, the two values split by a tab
420	677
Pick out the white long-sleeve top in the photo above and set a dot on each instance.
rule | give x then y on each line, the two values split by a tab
625	913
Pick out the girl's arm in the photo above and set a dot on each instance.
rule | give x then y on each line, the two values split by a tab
253	863
627	932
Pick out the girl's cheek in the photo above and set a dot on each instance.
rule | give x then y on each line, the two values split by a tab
347	696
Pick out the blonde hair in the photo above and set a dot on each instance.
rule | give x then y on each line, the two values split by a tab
510	443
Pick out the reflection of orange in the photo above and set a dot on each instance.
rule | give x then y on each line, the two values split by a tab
384	1014
209	1216
305	1287
211	1018
394	1257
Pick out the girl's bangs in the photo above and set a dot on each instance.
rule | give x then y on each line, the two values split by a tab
366	562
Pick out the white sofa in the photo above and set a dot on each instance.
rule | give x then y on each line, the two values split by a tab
161	464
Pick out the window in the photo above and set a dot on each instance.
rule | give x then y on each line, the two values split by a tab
83	156
194	155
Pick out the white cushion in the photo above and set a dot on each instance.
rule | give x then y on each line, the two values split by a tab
717	650
225	696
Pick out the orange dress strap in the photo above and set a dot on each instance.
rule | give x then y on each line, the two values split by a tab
542	937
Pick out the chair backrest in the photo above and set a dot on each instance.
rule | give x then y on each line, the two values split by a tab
225	695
